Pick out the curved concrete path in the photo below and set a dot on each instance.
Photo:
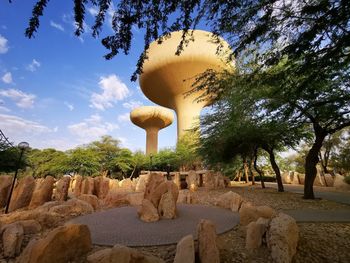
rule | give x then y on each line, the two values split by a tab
339	197
122	225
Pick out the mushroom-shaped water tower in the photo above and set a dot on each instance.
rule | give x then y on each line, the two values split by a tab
152	119
167	77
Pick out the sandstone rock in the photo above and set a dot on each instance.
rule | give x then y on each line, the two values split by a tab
185	252
177	179
191	180
116	199
63	244
90	199
30	226
329	180
87	186
101	186
207	248
219	181
147	212
78	185
255	232
340	183
72	207
230	200
122	254
46	207
126	184
286	178
282	238
186	197
113	185
162	188
5	185
12	240
42	192
22	193
301	178
62	186
294	177
154	180
135	199
142	182
167	206
209	180
249	213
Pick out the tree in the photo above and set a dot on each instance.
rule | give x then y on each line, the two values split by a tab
83	161
107	150
317	29
47	162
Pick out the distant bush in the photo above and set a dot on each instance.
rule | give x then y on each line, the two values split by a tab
347	179
266	178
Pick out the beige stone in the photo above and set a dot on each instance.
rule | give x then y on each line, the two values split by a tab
294	178
147	212
12	238
167	77
255	232
22	193
282	238
207	248
230	200
91	199
126	184
42	192
63	244
115	199
249	213
186	197
329	180
135	199
5	185
286	178
142	182
101	186
154	180
162	188
62	186
72	207
78	185
152	119
167	206
209	180
30	226
122	254
340	183
185	252
88	186
191	180
301	178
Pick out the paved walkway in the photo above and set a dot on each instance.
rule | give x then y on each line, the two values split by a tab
320	216
122	225
340	197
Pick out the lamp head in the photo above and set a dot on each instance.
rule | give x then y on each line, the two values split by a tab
23	145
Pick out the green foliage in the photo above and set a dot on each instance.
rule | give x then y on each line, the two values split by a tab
47	162
83	161
9	160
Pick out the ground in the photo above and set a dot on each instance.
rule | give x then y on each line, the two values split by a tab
319	242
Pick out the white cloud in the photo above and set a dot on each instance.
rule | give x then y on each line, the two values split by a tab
132	104
91	128
93	11
7	78
69	106
3	45
56	25
4	109
23	100
16	125
124	117
113	89
33	66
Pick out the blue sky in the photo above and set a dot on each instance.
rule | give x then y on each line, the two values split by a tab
57	90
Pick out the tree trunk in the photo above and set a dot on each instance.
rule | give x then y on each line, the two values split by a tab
311	161
260	172
246	170
275	168
251	171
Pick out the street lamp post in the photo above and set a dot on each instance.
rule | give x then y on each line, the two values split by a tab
22	146
168	172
